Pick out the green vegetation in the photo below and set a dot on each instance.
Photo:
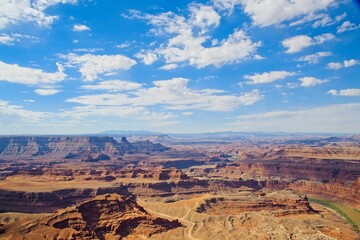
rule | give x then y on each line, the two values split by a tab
341	209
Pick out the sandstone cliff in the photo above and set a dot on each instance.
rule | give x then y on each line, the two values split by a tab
107	216
72	147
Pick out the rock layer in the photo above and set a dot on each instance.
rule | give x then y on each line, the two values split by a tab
72	147
107	216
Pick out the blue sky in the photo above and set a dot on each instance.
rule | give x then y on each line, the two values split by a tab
86	66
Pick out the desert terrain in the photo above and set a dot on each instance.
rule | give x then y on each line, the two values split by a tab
161	187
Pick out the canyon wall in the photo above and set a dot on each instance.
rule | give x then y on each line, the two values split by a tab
72	146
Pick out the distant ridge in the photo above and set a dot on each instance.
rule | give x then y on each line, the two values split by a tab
73	146
129	132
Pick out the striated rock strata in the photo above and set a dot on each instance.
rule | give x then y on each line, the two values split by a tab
107	216
280	203
73	147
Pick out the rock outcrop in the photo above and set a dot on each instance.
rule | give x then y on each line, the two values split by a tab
107	216
72	146
47	202
280	203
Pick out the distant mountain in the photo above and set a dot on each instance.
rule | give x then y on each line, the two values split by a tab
130	132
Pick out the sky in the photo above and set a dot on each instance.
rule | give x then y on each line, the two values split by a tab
87	66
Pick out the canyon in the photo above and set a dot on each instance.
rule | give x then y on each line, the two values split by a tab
181	191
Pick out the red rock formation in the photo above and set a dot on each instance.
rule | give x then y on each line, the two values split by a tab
108	216
288	203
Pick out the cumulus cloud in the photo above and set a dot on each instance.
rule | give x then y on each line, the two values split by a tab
314	58
80	28
268	77
30	76
91	66
147	58
203	16
347	26
174	94
350	92
311	81
345	64
328	118
297	43
265	12
113	86
15	12
187	37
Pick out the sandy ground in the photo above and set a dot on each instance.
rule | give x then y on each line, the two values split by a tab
250	225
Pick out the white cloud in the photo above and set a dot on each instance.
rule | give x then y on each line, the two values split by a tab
347	26
350	63
6	39
267	12
318	19
187	37
350	92
314	58
169	66
329	118
90	66
88	50
30	76
18	119
15	12
345	64
174	94
297	43
311	81
268	77
332	92
12	114
203	16
125	44
80	28
320	39
10	39
308	18
46	91
113	86
118	112
340	17
323	22
226	5
334	65
147	58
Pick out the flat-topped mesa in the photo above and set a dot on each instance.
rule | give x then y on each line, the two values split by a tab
72	146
